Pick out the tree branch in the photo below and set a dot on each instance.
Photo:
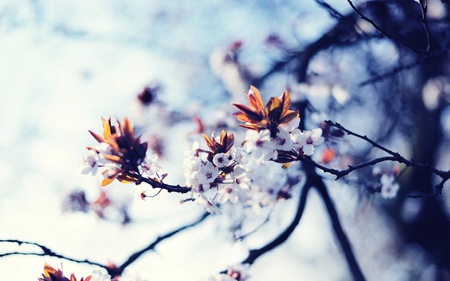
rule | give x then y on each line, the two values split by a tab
339	231
254	254
386	34
45	252
135	256
395	156
113	271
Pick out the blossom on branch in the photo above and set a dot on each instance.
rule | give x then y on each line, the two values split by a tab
120	153
259	117
52	274
273	129
216	175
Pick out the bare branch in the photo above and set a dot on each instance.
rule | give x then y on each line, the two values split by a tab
254	254
135	256
395	156
45	252
385	33
346	247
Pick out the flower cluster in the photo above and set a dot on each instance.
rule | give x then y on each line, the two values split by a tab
122	156
52	274
216	175
273	129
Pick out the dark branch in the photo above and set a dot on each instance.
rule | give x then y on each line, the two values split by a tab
159	184
135	256
385	33
332	11
395	156
341	173
45	252
254	254
339	231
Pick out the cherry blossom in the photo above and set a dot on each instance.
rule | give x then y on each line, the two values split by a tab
389	188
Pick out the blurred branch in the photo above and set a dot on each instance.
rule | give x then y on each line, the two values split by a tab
45	252
113	271
254	254
394	156
391	72
339	231
423	12
389	35
135	256
332	11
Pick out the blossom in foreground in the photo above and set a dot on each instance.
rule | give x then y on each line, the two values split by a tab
120	154
52	274
273	129
260	117
216	176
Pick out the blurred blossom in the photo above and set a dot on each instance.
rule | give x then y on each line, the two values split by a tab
97	275
389	188
434	92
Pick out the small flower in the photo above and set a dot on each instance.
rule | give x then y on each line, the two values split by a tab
90	163
259	144
208	173
208	204
306	140
221	160
139	193
237	190
150	166
239	272
239	155
283	140
389	189
134	277
97	275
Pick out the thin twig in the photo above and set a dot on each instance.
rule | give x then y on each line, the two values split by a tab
332	11
346	247
45	252
135	256
254	254
395	156
423	10
384	32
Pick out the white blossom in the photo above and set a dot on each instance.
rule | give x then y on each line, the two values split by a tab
97	275
239	155
307	140
221	160
389	188
283	140
209	205
237	190
150	165
260	145
90	163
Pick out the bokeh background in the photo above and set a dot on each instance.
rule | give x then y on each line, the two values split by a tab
64	64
